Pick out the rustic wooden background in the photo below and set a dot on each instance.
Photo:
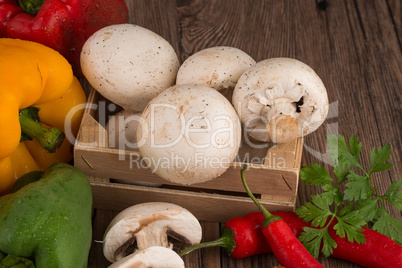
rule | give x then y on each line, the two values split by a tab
353	45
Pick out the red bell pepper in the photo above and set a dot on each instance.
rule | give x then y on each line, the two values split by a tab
63	25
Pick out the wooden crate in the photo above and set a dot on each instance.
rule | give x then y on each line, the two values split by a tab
272	176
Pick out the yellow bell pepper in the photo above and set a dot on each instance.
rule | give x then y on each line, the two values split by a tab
32	74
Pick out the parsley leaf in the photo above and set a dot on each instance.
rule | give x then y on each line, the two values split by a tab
313	238
315	174
377	158
341	171
388	225
342	153
350	225
355	148
316	213
332	150
349	198
367	208
358	187
333	191
394	194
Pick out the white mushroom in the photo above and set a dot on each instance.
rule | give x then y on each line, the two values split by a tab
217	67
149	224
122	132
280	99
153	257
122	129
128	64
190	134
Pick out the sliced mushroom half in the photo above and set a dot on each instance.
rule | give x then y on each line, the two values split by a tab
280	99
153	257
150	224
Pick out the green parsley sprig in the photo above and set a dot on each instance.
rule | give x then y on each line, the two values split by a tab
350	207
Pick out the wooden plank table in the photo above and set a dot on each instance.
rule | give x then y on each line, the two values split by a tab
353	45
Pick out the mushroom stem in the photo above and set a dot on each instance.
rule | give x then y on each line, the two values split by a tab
282	118
282	129
157	237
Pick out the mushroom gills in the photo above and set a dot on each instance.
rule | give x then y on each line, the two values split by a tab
176	241
126	248
299	104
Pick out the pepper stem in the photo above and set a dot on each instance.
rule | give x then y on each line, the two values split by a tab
268	217
49	138
226	241
31	6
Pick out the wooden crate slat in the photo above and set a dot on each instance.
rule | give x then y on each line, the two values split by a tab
205	206
105	162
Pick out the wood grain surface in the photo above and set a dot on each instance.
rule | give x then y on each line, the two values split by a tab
353	45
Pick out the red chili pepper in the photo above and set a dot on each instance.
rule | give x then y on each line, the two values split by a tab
61	25
242	237
289	251
379	251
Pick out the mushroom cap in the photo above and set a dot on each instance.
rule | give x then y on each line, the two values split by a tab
280	86
191	134
122	129
149	224
152	257
216	67
128	64
122	132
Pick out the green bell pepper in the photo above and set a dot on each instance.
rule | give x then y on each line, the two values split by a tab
48	221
